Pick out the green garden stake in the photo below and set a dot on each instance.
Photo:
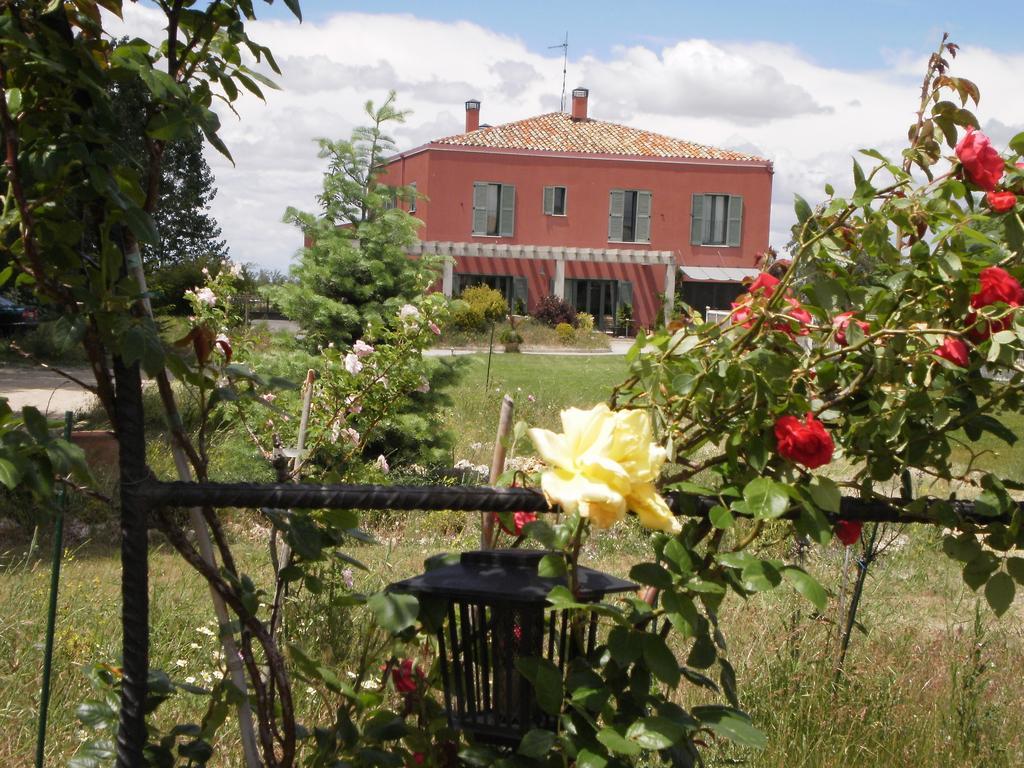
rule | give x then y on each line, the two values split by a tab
51	615
490	353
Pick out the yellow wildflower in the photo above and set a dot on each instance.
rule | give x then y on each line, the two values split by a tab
604	463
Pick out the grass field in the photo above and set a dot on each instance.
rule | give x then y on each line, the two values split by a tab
540	385
930	683
925	687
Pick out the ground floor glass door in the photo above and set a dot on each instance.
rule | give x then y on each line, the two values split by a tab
596	297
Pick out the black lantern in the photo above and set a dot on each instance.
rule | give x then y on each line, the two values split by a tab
493	605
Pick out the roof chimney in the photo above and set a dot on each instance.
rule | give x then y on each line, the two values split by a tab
579	103
472	115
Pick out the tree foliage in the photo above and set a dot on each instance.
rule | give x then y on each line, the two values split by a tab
354	271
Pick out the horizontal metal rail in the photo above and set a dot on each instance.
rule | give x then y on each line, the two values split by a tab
485	499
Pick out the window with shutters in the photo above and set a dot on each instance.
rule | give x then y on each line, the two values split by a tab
554	201
494	209
716	220
629	216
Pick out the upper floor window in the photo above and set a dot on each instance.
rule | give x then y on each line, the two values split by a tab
629	216
554	201
716	220
494	209
412	197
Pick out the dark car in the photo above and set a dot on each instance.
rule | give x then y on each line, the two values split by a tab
16	317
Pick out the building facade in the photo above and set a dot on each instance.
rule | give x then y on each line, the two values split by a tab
614	219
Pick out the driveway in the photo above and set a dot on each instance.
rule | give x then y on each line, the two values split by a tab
618	347
50	393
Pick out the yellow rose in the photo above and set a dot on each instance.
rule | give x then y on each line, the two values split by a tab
602	464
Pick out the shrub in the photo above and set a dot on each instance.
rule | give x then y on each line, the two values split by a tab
485	302
519	308
465	317
585	322
566	333
510	336
552	310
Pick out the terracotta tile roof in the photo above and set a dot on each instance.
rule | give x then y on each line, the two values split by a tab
558	132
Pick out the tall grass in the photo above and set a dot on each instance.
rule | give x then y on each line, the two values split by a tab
932	682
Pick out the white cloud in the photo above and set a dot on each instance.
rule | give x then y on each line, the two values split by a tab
765	97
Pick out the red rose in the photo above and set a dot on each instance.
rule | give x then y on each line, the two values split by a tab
1001	202
764	282
997	285
848	531
982	163
805	442
841	321
954	349
519	521
406	676
795	312
980	332
742	313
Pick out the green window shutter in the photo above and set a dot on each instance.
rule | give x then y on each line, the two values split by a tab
616	205
456	285
735	220
570	291
643	217
506	223
697	220
479	208
549	201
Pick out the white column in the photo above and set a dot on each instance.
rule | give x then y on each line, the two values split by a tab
448	276
670	290
560	278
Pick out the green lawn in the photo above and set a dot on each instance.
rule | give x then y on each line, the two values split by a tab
925	687
552	382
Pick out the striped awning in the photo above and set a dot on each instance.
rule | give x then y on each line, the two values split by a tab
717	274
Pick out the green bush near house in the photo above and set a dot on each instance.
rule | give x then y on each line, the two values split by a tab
566	333
477	308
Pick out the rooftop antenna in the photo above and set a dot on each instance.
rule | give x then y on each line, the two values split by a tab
564	45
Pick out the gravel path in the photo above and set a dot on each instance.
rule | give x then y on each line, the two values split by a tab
50	393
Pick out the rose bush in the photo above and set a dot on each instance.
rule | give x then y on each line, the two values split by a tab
866	332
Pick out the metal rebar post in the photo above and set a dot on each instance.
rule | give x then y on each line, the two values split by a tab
131	728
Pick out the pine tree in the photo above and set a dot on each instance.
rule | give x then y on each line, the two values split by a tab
354	273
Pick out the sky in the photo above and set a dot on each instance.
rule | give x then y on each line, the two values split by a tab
804	84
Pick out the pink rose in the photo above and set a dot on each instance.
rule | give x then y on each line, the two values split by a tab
352	364
361	348
981	162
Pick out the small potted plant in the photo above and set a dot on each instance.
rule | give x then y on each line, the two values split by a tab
625	320
511	339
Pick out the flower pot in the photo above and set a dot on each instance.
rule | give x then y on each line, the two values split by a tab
512	346
102	452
